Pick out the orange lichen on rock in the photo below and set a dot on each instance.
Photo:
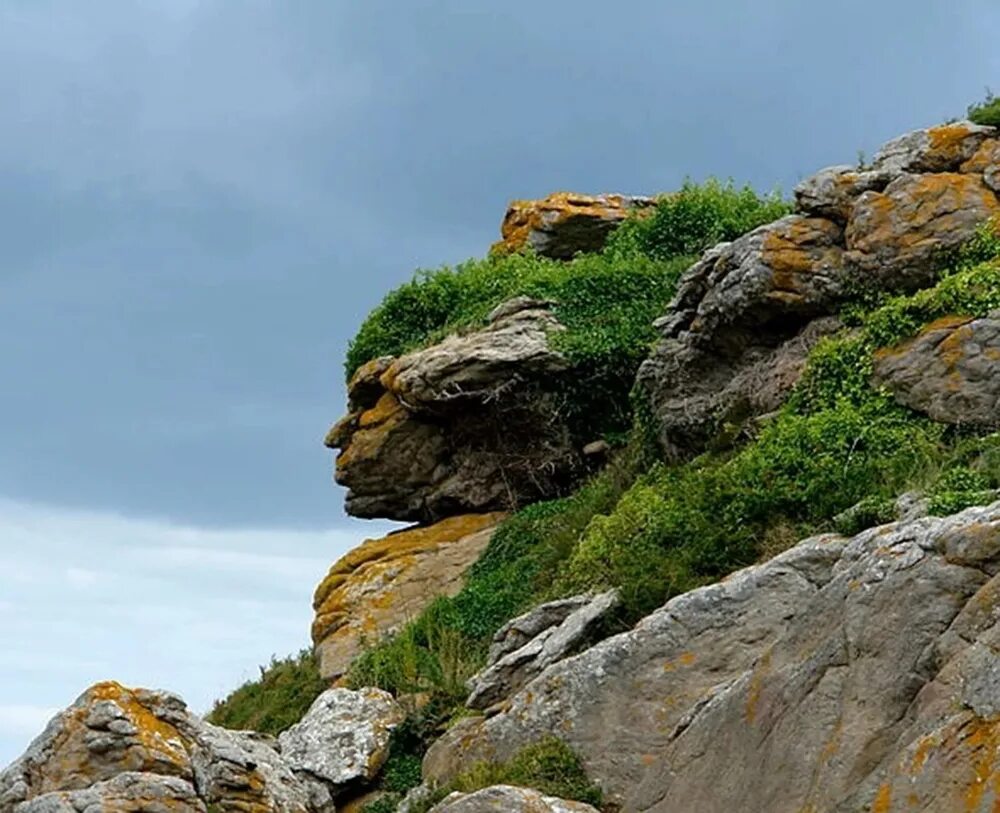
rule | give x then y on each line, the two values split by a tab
564	223
381	584
149	744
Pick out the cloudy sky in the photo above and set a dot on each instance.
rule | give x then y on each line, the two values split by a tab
199	201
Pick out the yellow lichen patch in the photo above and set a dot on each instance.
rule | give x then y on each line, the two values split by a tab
374	427
756	687
155	746
944	323
797	248
984	742
988	155
523	217
883	799
384	582
946	141
923	750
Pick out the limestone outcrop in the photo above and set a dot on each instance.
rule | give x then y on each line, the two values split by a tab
735	337
378	585
565	223
468	425
120	750
950	371
846	674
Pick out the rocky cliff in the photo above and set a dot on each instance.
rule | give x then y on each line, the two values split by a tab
776	589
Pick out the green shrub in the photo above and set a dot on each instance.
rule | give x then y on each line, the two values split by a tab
986	112
694	218
549	766
447	643
279	698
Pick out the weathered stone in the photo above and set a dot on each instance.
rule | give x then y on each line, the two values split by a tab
950	372
986	162
478	366
344	737
125	793
565	223
895	237
512	670
519	631
831	192
464	426
380	584
509	799
937	149
736	336
843	675
119	749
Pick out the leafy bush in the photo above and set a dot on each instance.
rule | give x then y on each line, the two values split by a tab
987	111
279	698
694	218
447	643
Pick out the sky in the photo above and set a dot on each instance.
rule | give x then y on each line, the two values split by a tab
201	199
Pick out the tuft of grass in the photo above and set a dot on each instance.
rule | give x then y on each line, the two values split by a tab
276	700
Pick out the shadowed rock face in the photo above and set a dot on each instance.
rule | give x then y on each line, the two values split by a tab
382	583
950	372
736	335
842	675
469	425
565	223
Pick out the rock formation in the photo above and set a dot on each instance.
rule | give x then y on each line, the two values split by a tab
372	590
735	337
464	426
565	223
840	675
118	749
949	371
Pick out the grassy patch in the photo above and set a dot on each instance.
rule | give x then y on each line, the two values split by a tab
987	111
549	766
694	218
279	698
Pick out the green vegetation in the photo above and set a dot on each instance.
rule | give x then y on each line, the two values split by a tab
276	700
835	444
607	301
549	766
987	111
695	218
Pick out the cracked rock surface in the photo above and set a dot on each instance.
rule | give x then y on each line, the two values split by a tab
844	674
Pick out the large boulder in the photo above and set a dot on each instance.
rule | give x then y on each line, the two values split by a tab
896	236
378	586
950	371
464	426
736	336
120	749
344	737
565	223
845	674
509	799
740	327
